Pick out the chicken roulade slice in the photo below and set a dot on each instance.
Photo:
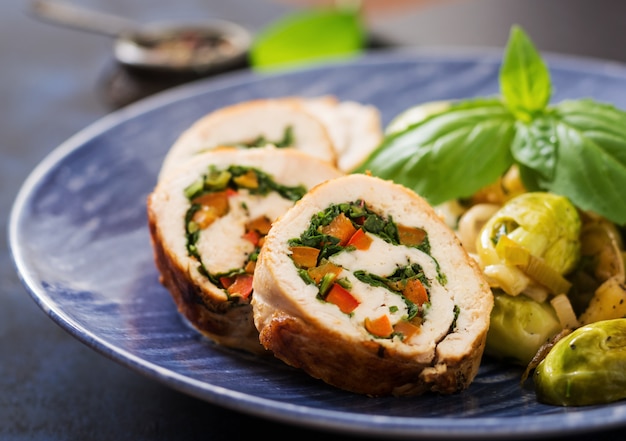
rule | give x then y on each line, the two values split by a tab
363	286
283	123
355	128
207	225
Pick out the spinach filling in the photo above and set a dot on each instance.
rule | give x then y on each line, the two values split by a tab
396	282
232	179
361	216
287	140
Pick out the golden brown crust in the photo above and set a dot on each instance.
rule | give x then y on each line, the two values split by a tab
373	370
225	319
224	322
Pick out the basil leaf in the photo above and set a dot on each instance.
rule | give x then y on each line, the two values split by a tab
449	155
590	167
524	77
534	146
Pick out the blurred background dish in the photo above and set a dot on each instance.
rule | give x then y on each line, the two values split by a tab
201	46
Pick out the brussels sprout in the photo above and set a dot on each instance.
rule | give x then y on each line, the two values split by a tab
536	233
586	367
518	327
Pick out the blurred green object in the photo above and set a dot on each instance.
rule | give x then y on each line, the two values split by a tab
309	36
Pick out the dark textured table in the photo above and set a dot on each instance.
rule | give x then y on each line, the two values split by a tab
57	81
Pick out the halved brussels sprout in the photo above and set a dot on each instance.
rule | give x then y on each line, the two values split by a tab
586	367
533	237
519	326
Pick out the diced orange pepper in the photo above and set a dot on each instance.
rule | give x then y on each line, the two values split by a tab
204	217
214	206
340	227
260	224
247	180
411	236
242	286
317	273
217	202
360	240
250	266
304	257
380	327
407	329
415	291
341	297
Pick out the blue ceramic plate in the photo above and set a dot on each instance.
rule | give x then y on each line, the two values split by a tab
80	242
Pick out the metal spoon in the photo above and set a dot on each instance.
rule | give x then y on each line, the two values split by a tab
168	46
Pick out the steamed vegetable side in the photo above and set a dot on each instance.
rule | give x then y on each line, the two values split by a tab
530	243
525	249
535	192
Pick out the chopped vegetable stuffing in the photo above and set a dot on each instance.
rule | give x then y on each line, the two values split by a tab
209	201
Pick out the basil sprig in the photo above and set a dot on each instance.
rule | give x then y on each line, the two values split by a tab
575	148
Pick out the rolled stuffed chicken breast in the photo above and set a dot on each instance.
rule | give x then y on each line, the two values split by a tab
362	285
283	123
207	224
355	128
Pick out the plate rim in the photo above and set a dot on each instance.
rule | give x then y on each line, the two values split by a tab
337	421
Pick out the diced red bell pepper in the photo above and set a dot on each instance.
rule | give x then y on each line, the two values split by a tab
226	281
231	192
360	240
252	236
341	297
242	286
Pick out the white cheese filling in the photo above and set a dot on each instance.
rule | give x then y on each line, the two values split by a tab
226	232
382	259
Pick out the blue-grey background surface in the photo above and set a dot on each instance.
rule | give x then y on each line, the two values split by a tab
53	387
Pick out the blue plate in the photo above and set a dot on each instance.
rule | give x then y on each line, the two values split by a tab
79	238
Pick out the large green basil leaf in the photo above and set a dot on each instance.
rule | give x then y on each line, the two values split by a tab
535	146
449	155
589	155
524	77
